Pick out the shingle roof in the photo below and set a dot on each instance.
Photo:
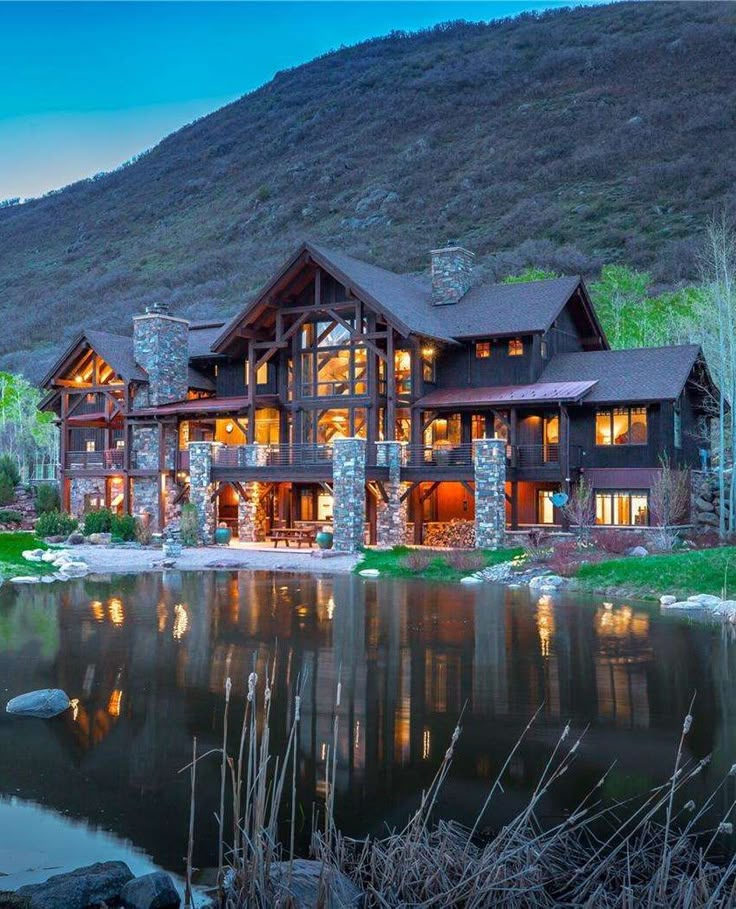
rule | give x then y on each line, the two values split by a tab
486	310
117	352
639	374
202	335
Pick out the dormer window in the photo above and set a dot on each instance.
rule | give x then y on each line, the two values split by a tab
516	347
482	350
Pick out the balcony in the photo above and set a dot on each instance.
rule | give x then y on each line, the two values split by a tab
95	461
438	456
529	456
274	459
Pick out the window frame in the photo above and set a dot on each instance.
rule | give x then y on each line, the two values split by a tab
483	350
611	495
612	411
515	347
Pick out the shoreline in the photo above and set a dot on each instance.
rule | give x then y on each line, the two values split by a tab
113	559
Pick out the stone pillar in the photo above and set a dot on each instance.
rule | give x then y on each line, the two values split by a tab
348	487
251	519
489	457
201	487
391	515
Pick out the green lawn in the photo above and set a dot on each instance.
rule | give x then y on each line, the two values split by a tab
436	565
704	571
12	562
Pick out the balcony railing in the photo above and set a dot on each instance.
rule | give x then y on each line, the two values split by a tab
524	456
108	459
438	455
299	456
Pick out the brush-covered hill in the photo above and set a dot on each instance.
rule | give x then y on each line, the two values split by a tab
564	140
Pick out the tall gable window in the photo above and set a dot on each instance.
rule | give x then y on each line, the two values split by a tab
332	362
516	347
621	426
482	350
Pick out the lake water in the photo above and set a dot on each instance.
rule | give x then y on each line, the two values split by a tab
147	656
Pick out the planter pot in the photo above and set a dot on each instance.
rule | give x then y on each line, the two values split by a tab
171	550
324	539
223	536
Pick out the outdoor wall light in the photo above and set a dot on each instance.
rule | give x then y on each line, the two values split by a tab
229	427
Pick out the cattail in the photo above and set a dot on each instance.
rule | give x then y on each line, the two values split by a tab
690	806
228	689
252	681
339	694
687	724
725	827
732	771
565	732
297	707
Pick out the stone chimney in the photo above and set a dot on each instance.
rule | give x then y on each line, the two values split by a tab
452	269
161	347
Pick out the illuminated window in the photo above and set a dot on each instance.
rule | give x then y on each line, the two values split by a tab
622	507
90	445
482	350
621	426
428	359
478	426
516	347
261	374
545	508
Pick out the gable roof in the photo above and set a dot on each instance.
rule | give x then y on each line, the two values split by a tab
202	335
115	350
486	310
637	374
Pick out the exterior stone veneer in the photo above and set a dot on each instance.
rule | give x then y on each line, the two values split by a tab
144	502
145	447
251	514
161	347
452	274
490	492
348	491
201	487
391	516
79	488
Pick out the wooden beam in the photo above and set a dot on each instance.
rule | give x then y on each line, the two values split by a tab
408	491
425	495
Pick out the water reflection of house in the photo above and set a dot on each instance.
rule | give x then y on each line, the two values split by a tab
622	659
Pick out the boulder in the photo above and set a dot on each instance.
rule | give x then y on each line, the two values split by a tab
52	555
471	579
708	517
24	579
44	703
74	569
152	891
681	604
75	539
90	886
304	888
704	599
637	551
33	555
702	505
100	539
667	599
546	580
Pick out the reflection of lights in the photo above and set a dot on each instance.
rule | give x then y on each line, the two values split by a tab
622	622
330	608
302	611
115	607
181	622
74	704
357	734
323	752
545	623
162	615
89	677
113	706
426	744
97	611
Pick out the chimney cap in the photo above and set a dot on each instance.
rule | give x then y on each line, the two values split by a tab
452	246
158	308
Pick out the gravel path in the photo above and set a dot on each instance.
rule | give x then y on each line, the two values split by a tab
113	560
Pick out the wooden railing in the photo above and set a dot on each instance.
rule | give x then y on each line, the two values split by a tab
108	459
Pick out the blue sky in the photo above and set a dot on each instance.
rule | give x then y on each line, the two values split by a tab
85	86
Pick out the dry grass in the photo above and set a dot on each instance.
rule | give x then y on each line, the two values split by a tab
654	851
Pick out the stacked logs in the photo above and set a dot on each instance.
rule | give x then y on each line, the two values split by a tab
453	534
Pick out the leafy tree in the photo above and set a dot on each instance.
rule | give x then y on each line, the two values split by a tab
189	525
7	489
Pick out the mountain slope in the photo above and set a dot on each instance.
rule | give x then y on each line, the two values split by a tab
564	140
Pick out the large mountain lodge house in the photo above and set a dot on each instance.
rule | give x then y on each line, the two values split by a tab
384	404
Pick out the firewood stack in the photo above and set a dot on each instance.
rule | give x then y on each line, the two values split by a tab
452	534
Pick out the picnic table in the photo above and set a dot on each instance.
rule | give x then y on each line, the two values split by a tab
292	534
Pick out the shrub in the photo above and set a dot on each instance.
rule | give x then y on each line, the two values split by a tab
143	532
9	466
189	525
7	489
535	548
417	560
98	521
8	516
465	561
616	541
47	498
123	527
55	523
564	558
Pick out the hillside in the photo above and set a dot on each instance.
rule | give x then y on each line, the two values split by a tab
565	140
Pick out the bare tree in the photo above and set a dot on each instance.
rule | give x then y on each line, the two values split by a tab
580	507
669	502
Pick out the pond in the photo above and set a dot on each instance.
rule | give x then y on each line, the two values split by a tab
147	656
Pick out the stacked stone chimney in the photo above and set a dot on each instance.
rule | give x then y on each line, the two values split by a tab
452	269
161	347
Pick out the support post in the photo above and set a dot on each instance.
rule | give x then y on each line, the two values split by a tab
391	515
201	487
348	485
490	493
251	521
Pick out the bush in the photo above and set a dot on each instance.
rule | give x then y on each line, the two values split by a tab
189	525
616	541
55	523
123	527
8	516
465	561
9	466
564	558
143	532
47	498
98	521
417	560
7	489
